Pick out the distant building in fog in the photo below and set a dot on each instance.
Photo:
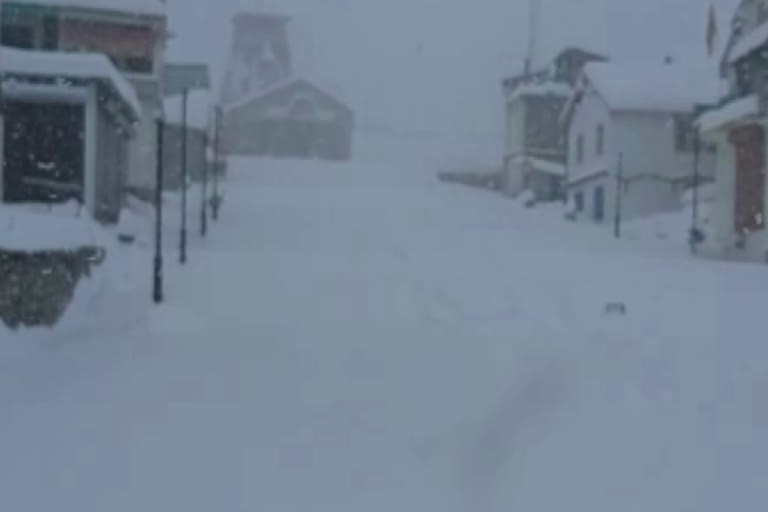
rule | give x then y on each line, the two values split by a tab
268	110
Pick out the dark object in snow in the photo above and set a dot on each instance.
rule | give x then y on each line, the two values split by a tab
571	216
36	288
696	236
126	238
531	203
616	308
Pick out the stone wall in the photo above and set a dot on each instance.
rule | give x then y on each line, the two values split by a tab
36	288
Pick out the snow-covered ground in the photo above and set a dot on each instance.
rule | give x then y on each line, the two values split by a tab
361	337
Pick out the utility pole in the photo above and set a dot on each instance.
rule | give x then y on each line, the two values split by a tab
694	237
216	148
183	239
157	288
204	204
619	186
533	27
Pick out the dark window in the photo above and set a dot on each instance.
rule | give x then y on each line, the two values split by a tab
51	33
580	149
579	200
599	204
600	140
18	36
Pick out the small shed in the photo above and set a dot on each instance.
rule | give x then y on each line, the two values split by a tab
294	118
66	124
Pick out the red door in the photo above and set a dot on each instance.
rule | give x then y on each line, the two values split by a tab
749	199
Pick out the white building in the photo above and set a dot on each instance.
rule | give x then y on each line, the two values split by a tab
738	128
132	33
643	114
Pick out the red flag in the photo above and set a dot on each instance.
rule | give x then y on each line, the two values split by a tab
711	31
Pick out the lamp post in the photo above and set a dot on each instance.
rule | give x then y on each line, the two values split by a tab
216	143
695	235
157	288
183	238
204	201
619	185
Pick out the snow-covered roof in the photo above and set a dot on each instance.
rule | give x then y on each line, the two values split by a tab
274	88
750	42
199	107
32	228
728	113
139	7
673	87
87	66
548	88
545	166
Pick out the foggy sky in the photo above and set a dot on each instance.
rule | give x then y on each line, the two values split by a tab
437	64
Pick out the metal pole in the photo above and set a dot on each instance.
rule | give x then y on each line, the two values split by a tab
183	239
204	205
216	149
619	185
696	175
157	288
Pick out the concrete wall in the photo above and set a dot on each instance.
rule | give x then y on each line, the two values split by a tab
111	167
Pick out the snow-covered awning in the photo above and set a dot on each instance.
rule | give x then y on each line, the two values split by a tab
548	88
72	66
155	8
597	172
750	42
650	86
733	111
199	109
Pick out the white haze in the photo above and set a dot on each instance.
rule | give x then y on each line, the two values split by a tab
415	66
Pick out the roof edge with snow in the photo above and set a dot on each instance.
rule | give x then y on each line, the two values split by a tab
73	66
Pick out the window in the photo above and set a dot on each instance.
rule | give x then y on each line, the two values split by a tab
600	140
18	36
579	200
580	149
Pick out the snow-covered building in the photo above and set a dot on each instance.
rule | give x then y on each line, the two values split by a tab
641	114
270	110
132	33
534	146
738	127
66	124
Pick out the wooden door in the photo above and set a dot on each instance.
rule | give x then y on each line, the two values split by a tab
749	192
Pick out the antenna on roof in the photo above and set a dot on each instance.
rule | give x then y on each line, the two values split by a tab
533	27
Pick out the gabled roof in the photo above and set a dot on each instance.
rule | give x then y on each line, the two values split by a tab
750	42
73	66
657	87
264	93
138	7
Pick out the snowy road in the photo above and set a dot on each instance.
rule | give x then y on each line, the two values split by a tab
361	338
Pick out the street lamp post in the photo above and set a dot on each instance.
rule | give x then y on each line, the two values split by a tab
183	239
157	288
216	148
619	185
204	203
